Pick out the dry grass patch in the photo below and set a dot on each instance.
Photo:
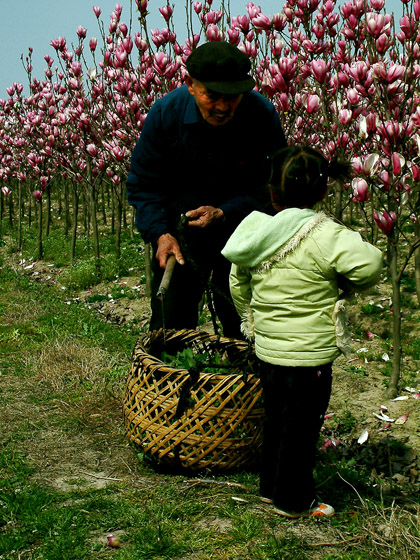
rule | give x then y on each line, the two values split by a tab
65	363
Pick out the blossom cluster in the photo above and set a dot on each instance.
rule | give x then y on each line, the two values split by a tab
344	79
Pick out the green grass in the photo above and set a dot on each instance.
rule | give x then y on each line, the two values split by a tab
75	364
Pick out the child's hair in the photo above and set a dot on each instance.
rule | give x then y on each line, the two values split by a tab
299	175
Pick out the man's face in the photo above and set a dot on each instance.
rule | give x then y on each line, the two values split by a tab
217	109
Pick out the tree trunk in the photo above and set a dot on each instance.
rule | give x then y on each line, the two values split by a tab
1	212
40	247
338	198
20	216
93	202
112	212
396	317
118	201
148	268
103	204
66	209
47	229
75	204
417	261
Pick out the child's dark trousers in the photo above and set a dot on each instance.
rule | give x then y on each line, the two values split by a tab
295	401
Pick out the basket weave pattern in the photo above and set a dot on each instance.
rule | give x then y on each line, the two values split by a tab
221	427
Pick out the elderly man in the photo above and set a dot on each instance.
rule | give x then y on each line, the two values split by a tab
201	154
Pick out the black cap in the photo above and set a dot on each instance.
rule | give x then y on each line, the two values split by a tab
221	67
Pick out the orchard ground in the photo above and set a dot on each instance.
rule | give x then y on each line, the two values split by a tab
61	418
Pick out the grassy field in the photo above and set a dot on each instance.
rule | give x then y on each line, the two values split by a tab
69	476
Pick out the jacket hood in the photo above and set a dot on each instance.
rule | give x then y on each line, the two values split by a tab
259	237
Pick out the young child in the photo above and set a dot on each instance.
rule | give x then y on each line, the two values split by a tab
285	279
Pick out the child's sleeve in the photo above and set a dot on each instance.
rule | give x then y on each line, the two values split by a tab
240	289
358	261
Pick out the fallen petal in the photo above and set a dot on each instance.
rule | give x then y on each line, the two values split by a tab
400	398
369	335
402	419
383	417
363	436
386	426
410	389
113	541
385	357
416	396
383	408
329	415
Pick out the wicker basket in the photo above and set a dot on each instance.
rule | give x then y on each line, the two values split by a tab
218	427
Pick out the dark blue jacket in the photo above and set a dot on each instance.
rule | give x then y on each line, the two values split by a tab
180	162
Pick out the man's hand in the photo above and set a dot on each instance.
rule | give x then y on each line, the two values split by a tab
204	216
167	246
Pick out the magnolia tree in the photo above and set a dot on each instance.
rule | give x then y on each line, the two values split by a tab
344	79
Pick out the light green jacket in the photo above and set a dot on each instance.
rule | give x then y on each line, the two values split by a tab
285	279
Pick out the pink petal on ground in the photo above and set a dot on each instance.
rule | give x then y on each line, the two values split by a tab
402	419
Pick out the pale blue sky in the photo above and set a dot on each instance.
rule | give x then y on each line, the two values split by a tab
34	23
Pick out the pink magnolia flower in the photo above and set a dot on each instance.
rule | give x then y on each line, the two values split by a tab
253	10
6	191
141	43
353	96
357	165
384	179
93	42
395	72
123	29
161	60
415	171
398	162
360	189
58	44
374	23
198	6
261	21
92	150
277	47
120	58
279	21
390	130
319	70
166	12
213	17
142	6
213	33
37	195
416	9
377	4
345	116
385	221
312	103
76	68
408	26
383	42
81	32
233	35
242	22
97	11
